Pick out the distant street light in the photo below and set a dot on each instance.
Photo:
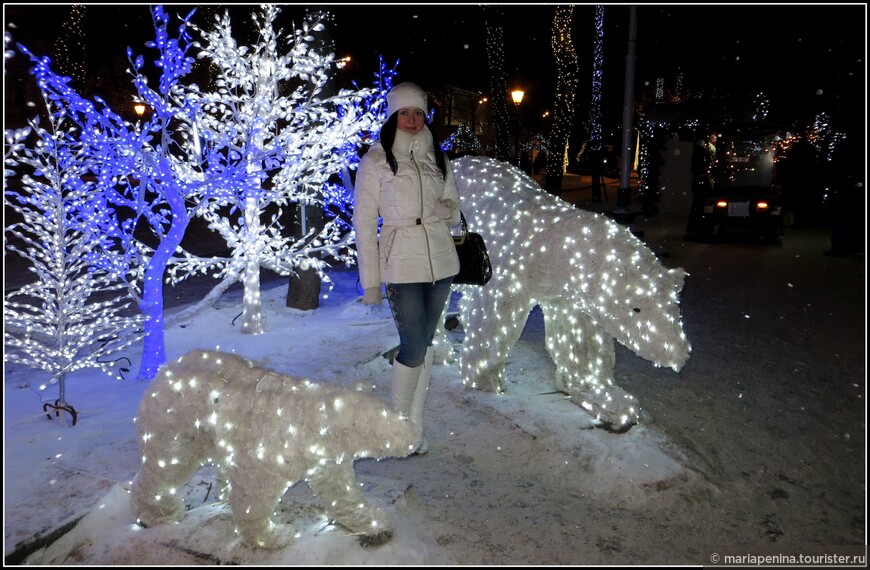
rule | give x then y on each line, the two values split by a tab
517	96
139	108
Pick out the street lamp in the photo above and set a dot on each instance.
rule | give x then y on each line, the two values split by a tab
475	106
139	108
517	96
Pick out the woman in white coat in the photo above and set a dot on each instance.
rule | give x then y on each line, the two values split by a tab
405	180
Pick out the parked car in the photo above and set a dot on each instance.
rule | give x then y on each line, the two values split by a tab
740	193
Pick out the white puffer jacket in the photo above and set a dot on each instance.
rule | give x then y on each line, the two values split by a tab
415	245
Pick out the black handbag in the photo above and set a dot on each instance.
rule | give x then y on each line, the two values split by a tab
474	265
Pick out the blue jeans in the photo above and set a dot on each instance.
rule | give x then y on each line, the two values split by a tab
416	308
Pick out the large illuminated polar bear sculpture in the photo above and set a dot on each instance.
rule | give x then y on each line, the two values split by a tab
265	431
593	279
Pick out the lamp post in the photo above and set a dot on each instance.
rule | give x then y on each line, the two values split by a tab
474	108
517	96
140	109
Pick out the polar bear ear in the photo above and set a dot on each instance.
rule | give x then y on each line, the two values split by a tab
678	278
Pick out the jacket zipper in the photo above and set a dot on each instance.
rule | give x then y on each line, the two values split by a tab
425	233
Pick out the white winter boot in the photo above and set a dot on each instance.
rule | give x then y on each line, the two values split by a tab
420	399
403	388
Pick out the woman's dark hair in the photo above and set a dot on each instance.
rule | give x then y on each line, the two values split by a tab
388	137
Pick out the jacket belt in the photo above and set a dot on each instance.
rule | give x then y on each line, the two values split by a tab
402	222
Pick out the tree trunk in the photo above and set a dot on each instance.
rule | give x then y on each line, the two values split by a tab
303	289
566	87
153	346
252	306
303	292
553	181
498	80
595	156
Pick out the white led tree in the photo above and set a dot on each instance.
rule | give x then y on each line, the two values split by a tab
283	142
72	316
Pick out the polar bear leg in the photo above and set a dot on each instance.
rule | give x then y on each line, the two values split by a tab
340	492
155	490
253	497
493	322
585	357
583	352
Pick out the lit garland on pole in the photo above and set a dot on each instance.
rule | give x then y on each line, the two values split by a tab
596	135
566	88
498	81
596	143
71	47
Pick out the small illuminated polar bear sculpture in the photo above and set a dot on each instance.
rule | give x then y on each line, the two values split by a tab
265	431
593	279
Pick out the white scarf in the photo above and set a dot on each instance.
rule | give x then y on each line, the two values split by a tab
405	143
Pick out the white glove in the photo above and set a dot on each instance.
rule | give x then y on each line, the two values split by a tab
445	209
372	296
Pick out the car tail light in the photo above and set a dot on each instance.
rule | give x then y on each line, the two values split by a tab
721	203
762	205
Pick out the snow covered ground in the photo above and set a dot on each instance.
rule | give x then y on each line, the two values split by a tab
761	439
341	342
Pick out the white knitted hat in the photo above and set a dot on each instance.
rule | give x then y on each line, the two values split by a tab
406	95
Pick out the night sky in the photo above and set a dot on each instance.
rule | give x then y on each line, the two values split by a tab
806	58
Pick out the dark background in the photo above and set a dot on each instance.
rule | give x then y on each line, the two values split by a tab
806	58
